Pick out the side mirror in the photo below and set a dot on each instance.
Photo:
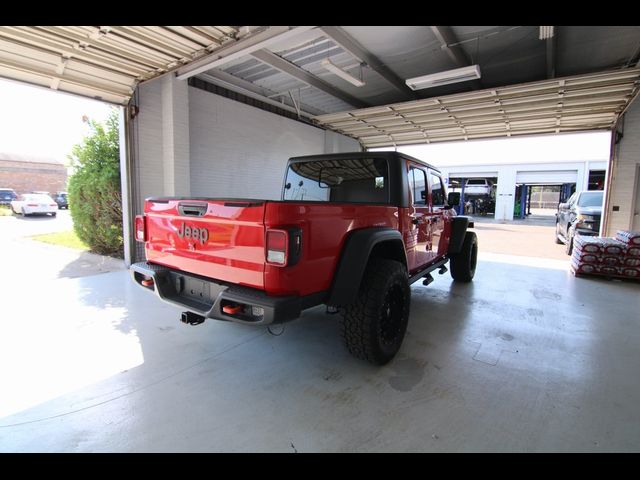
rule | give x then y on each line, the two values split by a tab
453	199
563	206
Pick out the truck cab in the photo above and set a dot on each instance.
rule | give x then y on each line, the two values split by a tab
579	215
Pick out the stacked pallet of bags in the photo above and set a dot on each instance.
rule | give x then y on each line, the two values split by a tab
612	257
631	261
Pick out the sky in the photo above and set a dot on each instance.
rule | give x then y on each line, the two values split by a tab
589	146
44	122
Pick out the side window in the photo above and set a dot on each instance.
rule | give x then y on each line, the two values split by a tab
418	184
437	189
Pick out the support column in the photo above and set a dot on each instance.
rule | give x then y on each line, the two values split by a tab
175	137
126	179
462	209
505	193
523	200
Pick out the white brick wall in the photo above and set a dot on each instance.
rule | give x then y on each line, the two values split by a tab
148	164
233	150
624	173
241	151
175	137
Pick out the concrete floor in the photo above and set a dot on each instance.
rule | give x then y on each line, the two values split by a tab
526	358
535	239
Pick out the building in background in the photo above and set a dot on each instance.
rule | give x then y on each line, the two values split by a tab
27	173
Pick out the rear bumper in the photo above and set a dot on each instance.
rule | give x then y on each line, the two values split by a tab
207	297
44	210
585	232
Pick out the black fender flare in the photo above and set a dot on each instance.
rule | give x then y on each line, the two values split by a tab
459	225
353	261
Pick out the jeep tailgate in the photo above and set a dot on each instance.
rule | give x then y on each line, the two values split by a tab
215	238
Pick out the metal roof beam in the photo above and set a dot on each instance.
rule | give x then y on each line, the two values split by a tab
350	45
240	48
289	68
633	60
449	44
230	82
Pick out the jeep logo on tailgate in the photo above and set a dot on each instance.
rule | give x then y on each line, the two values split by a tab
198	234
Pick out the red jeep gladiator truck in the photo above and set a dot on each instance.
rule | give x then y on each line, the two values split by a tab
352	231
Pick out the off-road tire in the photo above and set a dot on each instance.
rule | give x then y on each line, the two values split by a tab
558	241
463	264
569	245
374	325
568	248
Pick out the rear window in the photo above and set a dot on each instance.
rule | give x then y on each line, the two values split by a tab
357	180
476	182
38	197
590	199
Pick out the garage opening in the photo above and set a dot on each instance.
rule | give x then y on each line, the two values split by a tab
477	195
513	187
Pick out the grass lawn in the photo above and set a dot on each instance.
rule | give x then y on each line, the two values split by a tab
66	239
5	211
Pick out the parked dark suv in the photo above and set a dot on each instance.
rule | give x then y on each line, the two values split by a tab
580	215
61	199
7	195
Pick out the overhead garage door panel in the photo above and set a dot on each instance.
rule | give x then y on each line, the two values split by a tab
571	104
547	177
100	61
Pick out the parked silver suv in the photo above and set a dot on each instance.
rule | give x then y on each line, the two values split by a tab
477	186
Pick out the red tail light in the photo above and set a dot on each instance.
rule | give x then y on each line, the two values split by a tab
141	228
53	204
32	204
276	246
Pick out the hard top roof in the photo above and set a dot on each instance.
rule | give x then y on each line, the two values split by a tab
391	156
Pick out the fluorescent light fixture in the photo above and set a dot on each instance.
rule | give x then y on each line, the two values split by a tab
326	63
546	32
456	75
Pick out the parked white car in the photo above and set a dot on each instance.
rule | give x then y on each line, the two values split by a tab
32	203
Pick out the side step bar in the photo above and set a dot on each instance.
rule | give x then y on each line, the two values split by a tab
423	273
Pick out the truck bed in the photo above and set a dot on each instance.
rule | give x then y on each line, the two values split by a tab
224	239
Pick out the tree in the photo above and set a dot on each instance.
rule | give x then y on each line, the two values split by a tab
95	198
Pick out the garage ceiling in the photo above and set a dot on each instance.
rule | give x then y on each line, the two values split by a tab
287	66
586	102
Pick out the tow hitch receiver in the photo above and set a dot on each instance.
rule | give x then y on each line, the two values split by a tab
191	318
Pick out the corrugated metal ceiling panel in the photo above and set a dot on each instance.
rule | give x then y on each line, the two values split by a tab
103	62
586	102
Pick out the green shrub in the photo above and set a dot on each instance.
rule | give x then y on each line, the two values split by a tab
95	200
